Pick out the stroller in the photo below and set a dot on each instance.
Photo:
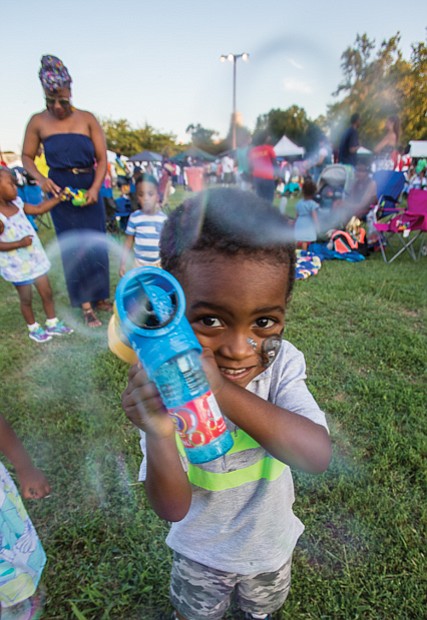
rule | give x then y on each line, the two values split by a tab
334	186
110	215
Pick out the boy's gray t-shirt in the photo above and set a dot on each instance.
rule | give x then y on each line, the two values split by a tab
250	528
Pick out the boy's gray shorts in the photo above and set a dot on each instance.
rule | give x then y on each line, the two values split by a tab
201	593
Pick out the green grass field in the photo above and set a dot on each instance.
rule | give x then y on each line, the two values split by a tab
362	328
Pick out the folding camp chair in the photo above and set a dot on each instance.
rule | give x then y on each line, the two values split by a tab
123	211
390	184
408	226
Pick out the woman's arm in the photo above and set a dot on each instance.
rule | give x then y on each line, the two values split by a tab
31	145
98	139
388	140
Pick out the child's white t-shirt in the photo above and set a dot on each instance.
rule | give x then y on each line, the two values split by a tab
252	527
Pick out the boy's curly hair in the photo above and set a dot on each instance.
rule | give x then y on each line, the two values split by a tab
230	222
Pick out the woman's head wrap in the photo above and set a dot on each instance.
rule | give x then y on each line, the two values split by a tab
54	74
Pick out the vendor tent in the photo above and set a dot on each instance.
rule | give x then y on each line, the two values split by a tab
287	148
194	153
111	156
146	156
418	148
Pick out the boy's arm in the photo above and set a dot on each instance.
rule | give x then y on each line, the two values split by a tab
167	485
289	437
127	247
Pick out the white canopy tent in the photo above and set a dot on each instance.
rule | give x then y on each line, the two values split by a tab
418	148
287	148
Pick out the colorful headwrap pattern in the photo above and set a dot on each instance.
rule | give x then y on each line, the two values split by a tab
54	74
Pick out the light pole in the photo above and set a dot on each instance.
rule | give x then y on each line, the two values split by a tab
234	58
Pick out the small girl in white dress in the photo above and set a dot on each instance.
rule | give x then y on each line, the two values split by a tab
23	261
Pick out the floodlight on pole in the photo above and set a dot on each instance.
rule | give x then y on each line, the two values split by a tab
234	58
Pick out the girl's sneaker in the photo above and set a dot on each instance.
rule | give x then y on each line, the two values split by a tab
39	335
59	329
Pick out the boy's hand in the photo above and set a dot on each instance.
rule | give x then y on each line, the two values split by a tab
215	378
26	241
122	271
33	483
144	407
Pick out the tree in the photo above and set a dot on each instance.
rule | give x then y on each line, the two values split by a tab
354	62
120	136
414	115
292	122
201	137
378	85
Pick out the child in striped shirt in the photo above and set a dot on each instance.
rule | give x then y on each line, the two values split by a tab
144	226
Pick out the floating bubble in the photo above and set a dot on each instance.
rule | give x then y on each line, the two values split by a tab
85	267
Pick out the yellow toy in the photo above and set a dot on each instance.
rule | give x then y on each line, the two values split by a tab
77	196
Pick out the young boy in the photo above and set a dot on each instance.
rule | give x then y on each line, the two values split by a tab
144	226
234	530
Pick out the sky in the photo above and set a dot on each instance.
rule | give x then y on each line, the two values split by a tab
158	62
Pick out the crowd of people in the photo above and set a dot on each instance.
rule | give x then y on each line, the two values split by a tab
226	262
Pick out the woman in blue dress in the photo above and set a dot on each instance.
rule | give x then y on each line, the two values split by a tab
75	150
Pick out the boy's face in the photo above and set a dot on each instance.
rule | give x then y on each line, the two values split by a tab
147	197
8	189
233	304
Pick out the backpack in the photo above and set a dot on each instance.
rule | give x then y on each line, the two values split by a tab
352	239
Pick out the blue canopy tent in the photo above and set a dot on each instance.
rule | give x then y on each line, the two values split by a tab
146	156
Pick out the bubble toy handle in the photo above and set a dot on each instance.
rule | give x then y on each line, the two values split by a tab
150	305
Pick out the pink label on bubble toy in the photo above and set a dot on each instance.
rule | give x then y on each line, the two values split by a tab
199	422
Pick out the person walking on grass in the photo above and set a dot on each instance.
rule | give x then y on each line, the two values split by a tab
349	143
233	530
22	557
23	261
144	226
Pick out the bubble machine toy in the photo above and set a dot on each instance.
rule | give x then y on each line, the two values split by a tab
77	196
150	306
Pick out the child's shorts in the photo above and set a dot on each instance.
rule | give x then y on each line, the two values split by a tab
198	592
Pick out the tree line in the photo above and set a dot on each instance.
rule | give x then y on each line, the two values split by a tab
376	82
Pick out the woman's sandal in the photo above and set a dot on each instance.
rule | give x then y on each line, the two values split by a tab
91	320
104	305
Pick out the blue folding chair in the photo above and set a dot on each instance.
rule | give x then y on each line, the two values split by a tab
123	211
390	184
